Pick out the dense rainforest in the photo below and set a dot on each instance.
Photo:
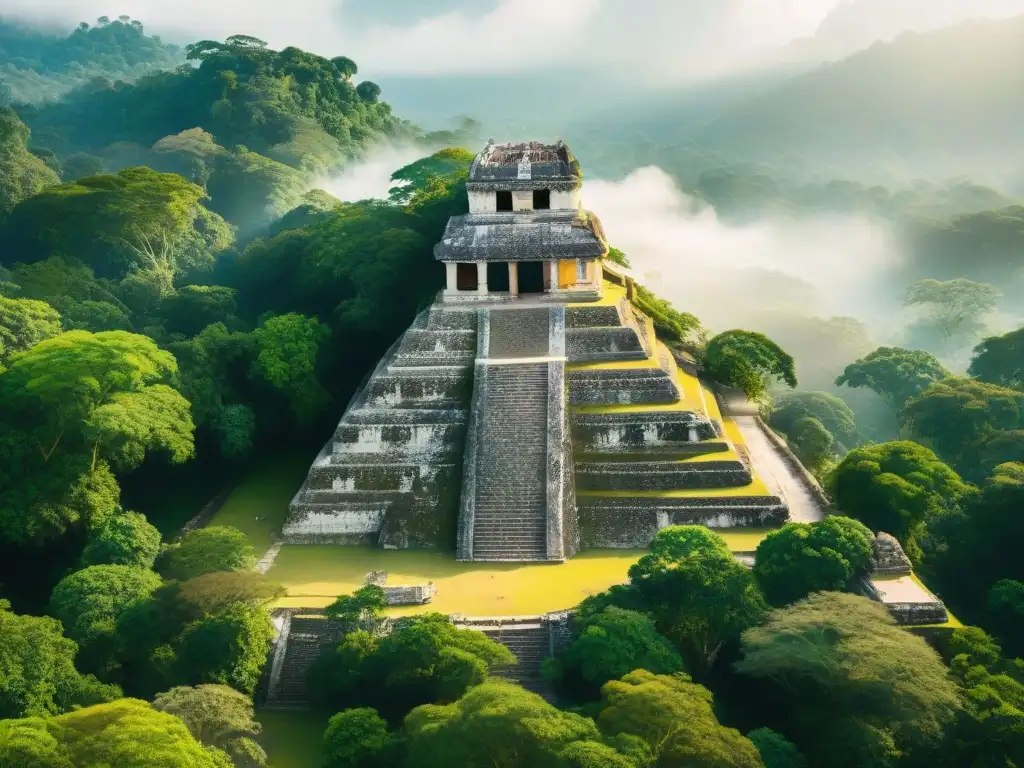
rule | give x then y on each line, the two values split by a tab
177	297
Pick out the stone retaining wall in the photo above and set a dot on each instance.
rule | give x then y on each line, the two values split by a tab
588	345
612	432
630	522
602	315
659	476
799	470
906	614
633	386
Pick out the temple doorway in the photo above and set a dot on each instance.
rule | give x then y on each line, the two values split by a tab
466	277
497	277
531	277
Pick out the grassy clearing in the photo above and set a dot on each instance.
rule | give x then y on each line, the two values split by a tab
292	739
264	493
743	539
316	574
633	408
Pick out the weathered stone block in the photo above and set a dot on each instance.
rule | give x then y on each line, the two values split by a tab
603	315
621	386
623	432
604	344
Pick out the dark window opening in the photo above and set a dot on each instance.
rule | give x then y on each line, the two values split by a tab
541	199
504	201
531	277
497	276
465	277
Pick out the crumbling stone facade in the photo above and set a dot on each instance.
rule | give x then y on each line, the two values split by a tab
889	557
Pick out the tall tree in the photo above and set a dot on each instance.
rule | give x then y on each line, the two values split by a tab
359	738
699	596
860	690
425	659
124	539
812	443
897	488
956	417
674	718
206	550
228	647
496	723
287	347
39	676
215	715
22	174
953	306
748	361
88	602
1000	360
801	558
24	323
894	374
136	218
605	647
70	405
123	732
832	412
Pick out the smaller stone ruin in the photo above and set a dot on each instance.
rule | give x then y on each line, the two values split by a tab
414	594
889	557
892	583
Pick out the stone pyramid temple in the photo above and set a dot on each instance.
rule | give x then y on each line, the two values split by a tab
530	412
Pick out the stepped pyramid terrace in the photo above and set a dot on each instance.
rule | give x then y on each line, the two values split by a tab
521	444
530	412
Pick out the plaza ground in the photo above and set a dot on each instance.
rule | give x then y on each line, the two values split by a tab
292	739
315	575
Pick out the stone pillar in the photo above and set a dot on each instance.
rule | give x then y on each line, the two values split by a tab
451	275
481	278
513	278
553	271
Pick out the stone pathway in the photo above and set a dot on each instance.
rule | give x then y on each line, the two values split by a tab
267	561
769	463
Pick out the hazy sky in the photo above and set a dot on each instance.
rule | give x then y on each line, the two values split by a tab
678	39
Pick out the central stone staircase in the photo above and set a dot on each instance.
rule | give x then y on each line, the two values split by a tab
510	521
531	645
532	639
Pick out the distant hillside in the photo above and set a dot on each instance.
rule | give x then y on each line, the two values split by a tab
853	25
956	93
36	66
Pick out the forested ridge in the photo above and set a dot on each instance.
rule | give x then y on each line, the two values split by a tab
176	298
36	66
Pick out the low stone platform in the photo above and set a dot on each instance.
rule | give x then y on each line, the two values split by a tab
893	584
302	633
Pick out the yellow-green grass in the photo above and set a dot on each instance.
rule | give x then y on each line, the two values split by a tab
648	363
756	488
743	539
292	739
264	492
709	450
633	408
316	574
611	294
952	621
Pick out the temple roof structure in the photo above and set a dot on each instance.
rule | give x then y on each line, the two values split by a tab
522	236
525	165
